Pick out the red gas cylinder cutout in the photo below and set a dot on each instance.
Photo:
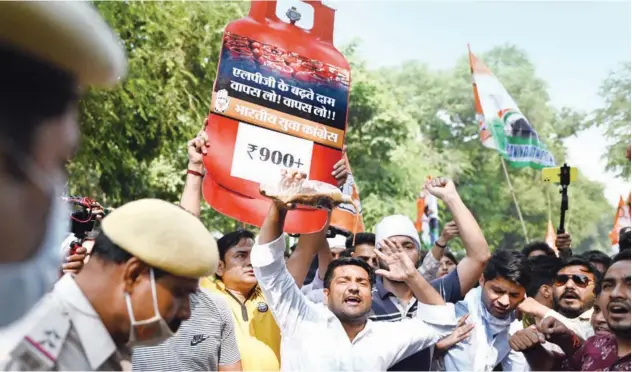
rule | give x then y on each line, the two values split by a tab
280	101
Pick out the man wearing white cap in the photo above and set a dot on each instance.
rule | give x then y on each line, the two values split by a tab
393	301
134	291
49	51
337	246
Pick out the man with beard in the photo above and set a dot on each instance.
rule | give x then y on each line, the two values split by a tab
49	53
339	336
574	295
394	301
133	291
491	309
601	352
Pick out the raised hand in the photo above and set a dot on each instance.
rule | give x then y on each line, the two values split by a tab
341	172
400	266
563	241
197	149
450	230
442	188
291	181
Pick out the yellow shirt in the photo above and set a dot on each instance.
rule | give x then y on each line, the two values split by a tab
258	336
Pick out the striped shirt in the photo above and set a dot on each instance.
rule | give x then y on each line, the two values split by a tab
203	342
386	308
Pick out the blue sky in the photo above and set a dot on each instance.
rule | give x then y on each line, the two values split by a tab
574	45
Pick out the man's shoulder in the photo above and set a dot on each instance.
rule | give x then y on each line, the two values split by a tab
210	303
37	340
208	296
600	340
449	287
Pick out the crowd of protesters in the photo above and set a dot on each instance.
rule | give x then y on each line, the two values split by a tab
154	290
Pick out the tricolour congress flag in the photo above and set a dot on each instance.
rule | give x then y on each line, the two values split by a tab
502	126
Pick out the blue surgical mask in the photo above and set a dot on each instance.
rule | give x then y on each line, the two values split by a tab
25	283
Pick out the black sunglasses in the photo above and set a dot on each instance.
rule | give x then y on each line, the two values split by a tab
580	280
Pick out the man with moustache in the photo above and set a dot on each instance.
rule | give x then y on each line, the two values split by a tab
574	289
339	336
601	352
574	294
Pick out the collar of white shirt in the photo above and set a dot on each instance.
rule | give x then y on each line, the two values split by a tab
95	338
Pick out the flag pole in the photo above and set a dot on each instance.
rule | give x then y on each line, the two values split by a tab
513	195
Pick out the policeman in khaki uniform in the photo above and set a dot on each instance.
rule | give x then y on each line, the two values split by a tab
49	53
133	291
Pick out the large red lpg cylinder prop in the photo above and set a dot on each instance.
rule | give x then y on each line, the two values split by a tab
279	101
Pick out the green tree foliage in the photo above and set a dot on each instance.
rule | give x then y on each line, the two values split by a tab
615	118
405	123
133	136
431	129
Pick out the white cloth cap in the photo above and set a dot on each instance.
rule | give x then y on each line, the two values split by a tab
396	225
338	241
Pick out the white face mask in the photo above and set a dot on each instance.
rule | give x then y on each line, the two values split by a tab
25	283
151	331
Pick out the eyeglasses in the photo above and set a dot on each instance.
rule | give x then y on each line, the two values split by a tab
580	280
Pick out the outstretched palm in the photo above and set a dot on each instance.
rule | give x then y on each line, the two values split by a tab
400	266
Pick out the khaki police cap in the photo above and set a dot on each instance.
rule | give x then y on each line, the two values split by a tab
164	236
69	34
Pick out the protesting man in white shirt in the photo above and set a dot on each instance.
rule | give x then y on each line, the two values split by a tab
339	336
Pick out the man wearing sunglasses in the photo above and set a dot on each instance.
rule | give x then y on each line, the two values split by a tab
574	295
602	352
